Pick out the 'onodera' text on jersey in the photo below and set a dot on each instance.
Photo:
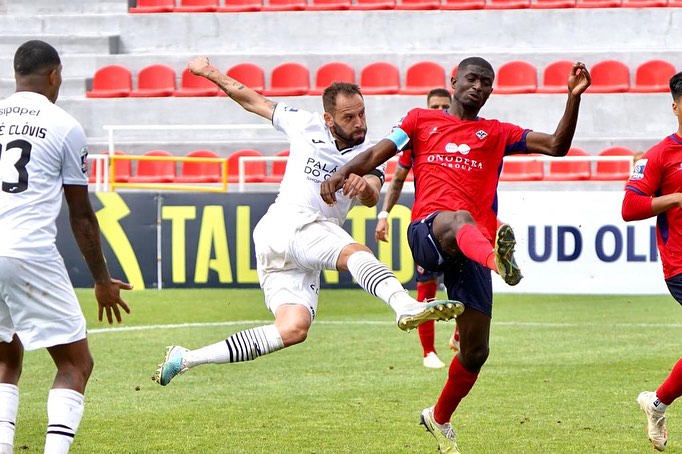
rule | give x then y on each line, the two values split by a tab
457	163
41	148
313	157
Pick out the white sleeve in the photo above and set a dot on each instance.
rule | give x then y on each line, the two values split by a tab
75	164
290	120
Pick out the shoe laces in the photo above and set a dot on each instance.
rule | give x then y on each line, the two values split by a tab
448	431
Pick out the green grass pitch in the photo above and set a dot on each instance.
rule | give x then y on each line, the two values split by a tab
562	377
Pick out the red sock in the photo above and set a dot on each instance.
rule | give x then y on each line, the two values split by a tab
459	383
475	246
671	388
427	290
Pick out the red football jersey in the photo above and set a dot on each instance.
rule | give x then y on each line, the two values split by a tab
657	173
457	163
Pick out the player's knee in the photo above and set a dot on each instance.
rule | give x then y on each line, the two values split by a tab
474	360
293	333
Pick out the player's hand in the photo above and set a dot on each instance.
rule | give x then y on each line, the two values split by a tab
199	66
354	186
381	232
109	299
579	79
329	187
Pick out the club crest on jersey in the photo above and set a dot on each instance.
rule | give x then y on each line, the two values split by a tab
481	134
638	170
454	148
84	159
290	109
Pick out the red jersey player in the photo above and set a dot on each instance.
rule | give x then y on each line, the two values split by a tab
457	162
655	189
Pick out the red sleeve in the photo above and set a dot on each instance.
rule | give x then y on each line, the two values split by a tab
405	160
636	206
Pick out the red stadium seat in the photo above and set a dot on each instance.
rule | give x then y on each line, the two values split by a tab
614	170
644	3
380	78
155	81
240	6
417	5
154	171
507	4
653	76
516	77
422	77
598	3
328	5
462	4
610	76
369	5
197	6
285	5
277	169
199	172
332	72
191	85
552	4
254	172
526	170
112	81
122	168
555	77
561	169
289	79
249	74
153	6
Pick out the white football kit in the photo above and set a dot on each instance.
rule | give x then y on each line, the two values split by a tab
41	148
301	235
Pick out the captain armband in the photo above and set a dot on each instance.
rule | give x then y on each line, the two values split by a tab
398	137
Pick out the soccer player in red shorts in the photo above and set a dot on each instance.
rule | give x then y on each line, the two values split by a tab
654	189
457	162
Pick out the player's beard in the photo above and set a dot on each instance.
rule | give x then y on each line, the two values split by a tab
354	138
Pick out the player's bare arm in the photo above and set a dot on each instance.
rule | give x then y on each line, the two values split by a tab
86	231
559	143
243	95
362	164
369	195
391	198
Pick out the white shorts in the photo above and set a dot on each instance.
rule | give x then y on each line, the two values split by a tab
291	251
37	302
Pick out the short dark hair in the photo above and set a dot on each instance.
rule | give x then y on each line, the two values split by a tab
475	61
35	56
331	92
440	92
676	86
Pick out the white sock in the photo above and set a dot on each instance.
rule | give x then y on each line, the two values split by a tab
64	413
658	405
375	278
9	404
245	345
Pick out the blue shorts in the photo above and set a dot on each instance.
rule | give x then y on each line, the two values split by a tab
466	281
675	286
425	275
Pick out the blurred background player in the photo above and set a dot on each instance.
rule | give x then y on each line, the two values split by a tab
38	306
427	281
655	189
457	157
300	235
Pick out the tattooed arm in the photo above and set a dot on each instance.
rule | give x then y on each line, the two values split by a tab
243	95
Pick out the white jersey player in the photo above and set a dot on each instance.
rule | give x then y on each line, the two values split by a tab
300	236
43	156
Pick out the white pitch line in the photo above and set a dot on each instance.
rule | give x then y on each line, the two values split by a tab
377	323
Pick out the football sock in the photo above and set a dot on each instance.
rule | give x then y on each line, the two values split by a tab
375	278
475	246
425	291
64	413
459	383
9	404
245	345
671	388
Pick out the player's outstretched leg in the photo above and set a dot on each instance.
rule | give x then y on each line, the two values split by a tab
172	365
656	425
444	433
415	314
504	255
